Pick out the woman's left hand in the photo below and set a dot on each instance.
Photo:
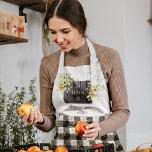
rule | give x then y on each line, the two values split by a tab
92	131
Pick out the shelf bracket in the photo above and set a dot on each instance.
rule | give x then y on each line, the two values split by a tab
3	42
21	13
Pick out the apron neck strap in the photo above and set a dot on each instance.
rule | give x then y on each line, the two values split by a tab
93	63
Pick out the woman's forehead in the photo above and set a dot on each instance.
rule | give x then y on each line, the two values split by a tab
58	23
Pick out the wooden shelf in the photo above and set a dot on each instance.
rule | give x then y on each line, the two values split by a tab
7	39
150	20
40	7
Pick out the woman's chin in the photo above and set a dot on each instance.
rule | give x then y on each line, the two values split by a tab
66	50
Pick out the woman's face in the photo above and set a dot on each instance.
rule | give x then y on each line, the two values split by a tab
64	34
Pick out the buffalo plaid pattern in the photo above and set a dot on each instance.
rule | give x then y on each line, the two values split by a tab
65	134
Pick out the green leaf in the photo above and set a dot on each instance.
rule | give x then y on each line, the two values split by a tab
47	31
47	39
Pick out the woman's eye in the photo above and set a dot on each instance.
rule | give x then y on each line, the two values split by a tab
53	32
66	32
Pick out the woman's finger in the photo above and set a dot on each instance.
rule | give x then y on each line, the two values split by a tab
94	134
92	125
25	118
90	131
31	117
40	117
91	139
35	115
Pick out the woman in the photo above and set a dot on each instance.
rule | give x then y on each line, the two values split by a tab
78	82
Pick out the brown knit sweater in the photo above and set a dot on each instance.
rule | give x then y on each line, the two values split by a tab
113	72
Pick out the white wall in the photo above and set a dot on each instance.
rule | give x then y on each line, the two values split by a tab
105	22
19	63
138	58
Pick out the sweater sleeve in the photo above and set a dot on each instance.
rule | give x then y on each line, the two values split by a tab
118	96
46	106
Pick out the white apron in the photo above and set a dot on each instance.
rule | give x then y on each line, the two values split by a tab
80	94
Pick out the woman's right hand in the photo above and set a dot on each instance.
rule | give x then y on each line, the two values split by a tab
34	117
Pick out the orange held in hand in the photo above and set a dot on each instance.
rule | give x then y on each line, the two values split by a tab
34	149
25	109
80	128
21	151
61	149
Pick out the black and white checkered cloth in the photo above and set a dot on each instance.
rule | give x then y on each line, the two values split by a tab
65	134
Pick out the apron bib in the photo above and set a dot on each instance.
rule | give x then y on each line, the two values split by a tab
80	94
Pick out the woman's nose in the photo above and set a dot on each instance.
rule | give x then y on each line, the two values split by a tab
59	38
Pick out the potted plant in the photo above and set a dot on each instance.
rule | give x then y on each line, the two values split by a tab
13	131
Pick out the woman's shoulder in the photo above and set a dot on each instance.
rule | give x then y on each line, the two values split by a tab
104	50
105	53
52	59
51	62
